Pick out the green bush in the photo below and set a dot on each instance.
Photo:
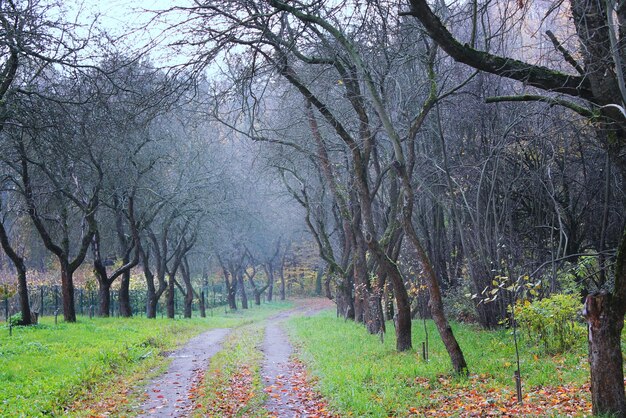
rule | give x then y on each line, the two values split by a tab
552	323
16	319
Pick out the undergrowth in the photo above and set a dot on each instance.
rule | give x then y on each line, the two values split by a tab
361	377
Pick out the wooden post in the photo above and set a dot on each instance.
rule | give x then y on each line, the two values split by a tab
6	303
518	386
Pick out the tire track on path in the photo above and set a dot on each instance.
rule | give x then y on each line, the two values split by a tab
278	368
169	395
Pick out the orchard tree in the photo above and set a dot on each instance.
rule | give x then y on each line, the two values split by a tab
597	92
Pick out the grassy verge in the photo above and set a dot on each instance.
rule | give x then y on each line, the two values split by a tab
46	368
232	386
361	377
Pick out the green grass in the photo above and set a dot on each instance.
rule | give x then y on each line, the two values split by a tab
46	368
362	377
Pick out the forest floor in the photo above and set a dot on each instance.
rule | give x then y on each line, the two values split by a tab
360	376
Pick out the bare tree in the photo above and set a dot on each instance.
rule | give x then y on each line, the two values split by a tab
600	84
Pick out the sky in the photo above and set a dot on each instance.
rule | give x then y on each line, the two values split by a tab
134	21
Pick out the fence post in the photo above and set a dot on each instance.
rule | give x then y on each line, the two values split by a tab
6	303
56	300
43	306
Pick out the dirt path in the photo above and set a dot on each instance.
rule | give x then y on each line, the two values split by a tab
169	395
278	370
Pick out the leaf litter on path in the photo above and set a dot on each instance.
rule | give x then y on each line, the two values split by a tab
302	400
232	398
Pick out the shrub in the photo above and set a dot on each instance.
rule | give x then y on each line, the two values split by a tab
16	319
552	322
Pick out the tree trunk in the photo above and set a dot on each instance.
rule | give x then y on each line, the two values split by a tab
22	289
67	290
104	299
188	303
151	297
282	280
256	291
202	305
361	280
151	303
22	284
318	282
403	315
270	281
170	293
244	296
344	300
230	285
232	301
126	309
327	291
436	304
374	321
605	325
436	308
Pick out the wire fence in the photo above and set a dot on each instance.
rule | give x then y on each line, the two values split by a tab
48	301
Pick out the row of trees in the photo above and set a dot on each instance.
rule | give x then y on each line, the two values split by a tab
109	161
420	179
415	171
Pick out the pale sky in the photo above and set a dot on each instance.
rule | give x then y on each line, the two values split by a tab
130	19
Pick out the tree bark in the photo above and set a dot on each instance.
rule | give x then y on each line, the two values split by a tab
255	289
270	281
22	284
188	303
67	291
344	299
151	302
242	290
361	278
126	310
104	299
202	304
153	293
318	281
282	272
170	296
231	285
605	329
232	295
